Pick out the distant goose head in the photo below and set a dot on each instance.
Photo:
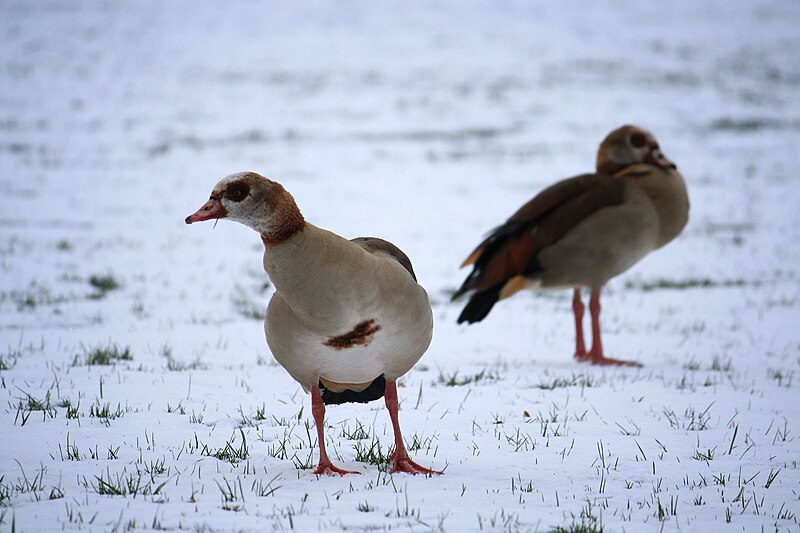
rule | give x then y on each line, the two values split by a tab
629	145
255	201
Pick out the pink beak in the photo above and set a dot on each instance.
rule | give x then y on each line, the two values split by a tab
210	210
655	157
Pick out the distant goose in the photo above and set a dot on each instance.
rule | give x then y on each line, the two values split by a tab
347	318
583	231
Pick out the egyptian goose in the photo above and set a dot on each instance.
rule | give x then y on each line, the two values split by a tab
583	231
347	318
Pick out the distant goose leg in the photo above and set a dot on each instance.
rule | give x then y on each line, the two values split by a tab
401	462
318	410
577	309
595	355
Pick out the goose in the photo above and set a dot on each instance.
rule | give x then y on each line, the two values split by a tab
347	318
581	232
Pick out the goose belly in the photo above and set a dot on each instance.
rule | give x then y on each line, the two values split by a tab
609	243
368	343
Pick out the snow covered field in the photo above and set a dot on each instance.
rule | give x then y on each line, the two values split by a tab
137	390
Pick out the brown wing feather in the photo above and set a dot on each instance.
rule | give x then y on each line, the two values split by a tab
510	260
557	194
542	203
555	224
375	244
511	250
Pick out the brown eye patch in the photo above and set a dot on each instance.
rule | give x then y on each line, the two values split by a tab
638	140
237	191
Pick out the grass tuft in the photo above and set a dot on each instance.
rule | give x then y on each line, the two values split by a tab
229	452
73	411
102	285
34	296
5	492
707	455
684	284
175	365
365	507
578	528
357	433
103	355
9	360
31	404
718	364
262	489
453	380
123	484
558	382
232	495
104	412
373	454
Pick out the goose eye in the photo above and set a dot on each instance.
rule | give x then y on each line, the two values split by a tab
237	191
638	140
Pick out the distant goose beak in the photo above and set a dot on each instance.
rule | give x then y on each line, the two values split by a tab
211	209
655	157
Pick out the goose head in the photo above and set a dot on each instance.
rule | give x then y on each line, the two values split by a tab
255	201
630	145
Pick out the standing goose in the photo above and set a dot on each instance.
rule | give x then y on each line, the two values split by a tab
583	231
347	318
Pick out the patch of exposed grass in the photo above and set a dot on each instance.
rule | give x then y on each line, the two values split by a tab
32	297
578	528
73	411
365	507
102	285
232	495
782	378
420	443
453	380
5	493
693	420
668	509
230	453
7	361
373	454
175	365
558	382
755	124
684	284
263	489
30	404
357	433
253	420
104	412
691	365
155	467
589	522
176	408
718	364
123	484
103	355
704	455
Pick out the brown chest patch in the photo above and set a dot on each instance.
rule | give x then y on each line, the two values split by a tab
361	335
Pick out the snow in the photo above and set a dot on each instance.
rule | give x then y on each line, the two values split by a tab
426	124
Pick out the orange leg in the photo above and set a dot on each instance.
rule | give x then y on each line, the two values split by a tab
401	462
318	410
595	355
577	309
